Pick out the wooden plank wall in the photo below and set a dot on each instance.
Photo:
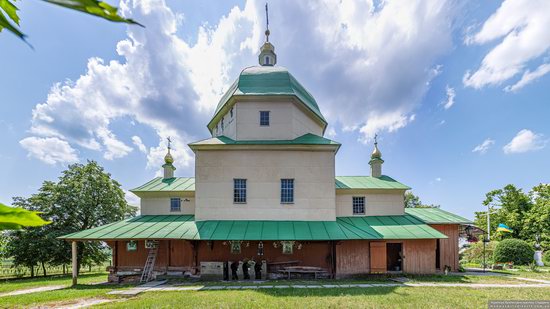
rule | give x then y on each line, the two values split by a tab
419	256
136	259
352	258
448	248
378	263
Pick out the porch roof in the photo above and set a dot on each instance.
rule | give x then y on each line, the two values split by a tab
436	216
185	227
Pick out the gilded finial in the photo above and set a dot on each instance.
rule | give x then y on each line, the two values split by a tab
376	154
168	159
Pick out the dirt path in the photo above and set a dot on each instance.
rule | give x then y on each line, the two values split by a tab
34	290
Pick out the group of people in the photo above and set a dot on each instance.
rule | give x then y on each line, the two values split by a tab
247	264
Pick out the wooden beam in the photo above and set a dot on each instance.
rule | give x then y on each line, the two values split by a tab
75	258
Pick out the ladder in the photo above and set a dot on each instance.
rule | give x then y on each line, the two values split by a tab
150	262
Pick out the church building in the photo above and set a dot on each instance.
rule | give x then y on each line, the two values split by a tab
265	195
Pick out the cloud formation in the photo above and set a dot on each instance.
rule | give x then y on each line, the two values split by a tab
368	64
522	26
484	147
451	94
50	150
163	83
525	141
378	60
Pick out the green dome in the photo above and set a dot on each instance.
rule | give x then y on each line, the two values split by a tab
267	81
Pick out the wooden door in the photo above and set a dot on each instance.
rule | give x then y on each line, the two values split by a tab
378	257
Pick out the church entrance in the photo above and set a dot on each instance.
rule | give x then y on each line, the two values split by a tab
393	257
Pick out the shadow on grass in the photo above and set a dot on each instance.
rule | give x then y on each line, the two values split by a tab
50	277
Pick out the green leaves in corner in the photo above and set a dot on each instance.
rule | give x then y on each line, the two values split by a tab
8	11
94	7
14	218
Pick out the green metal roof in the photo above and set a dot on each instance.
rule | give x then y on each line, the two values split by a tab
172	184
268	81
184	227
306	139
436	216
368	182
176	184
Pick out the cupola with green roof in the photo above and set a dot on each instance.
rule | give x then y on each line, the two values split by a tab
269	87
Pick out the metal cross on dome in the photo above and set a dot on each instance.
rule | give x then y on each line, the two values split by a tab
267	23
169	143
376	138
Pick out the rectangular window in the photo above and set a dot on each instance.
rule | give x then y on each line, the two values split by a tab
175	204
287	191
239	190
264	118
358	205
231	112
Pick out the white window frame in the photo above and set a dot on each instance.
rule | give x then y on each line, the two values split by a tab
239	187
175	209
353	205
268	118
287	191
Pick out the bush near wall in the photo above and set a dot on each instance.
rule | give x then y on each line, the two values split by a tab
516	251
474	253
546	258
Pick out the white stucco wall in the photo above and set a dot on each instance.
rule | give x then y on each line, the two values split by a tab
229	125
312	171
287	121
159	203
377	202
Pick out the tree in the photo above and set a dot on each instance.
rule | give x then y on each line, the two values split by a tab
92	7
413	201
84	197
508	205
513	250
537	220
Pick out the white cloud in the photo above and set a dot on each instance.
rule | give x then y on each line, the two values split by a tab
378	59
131	198
523	26
529	77
450	97
389	122
50	150
163	83
139	143
438	179
364	60
525	141
484	147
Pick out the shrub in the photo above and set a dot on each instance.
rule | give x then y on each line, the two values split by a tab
546	258
474	253
516	251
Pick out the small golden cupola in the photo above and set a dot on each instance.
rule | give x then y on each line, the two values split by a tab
376	160
267	55
168	160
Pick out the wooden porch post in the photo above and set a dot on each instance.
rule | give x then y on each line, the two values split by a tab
75	265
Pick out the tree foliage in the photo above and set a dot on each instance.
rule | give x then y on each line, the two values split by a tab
84	197
413	201
513	250
527	214
92	7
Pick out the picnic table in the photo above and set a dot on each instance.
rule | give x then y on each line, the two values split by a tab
302	270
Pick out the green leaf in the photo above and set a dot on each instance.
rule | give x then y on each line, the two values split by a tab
4	23
15	218
10	9
94	7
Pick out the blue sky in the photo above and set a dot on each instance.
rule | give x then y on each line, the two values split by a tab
457	91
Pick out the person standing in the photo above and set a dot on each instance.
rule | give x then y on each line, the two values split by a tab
234	268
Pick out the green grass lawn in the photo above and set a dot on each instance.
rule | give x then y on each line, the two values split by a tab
381	297
20	284
385	297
